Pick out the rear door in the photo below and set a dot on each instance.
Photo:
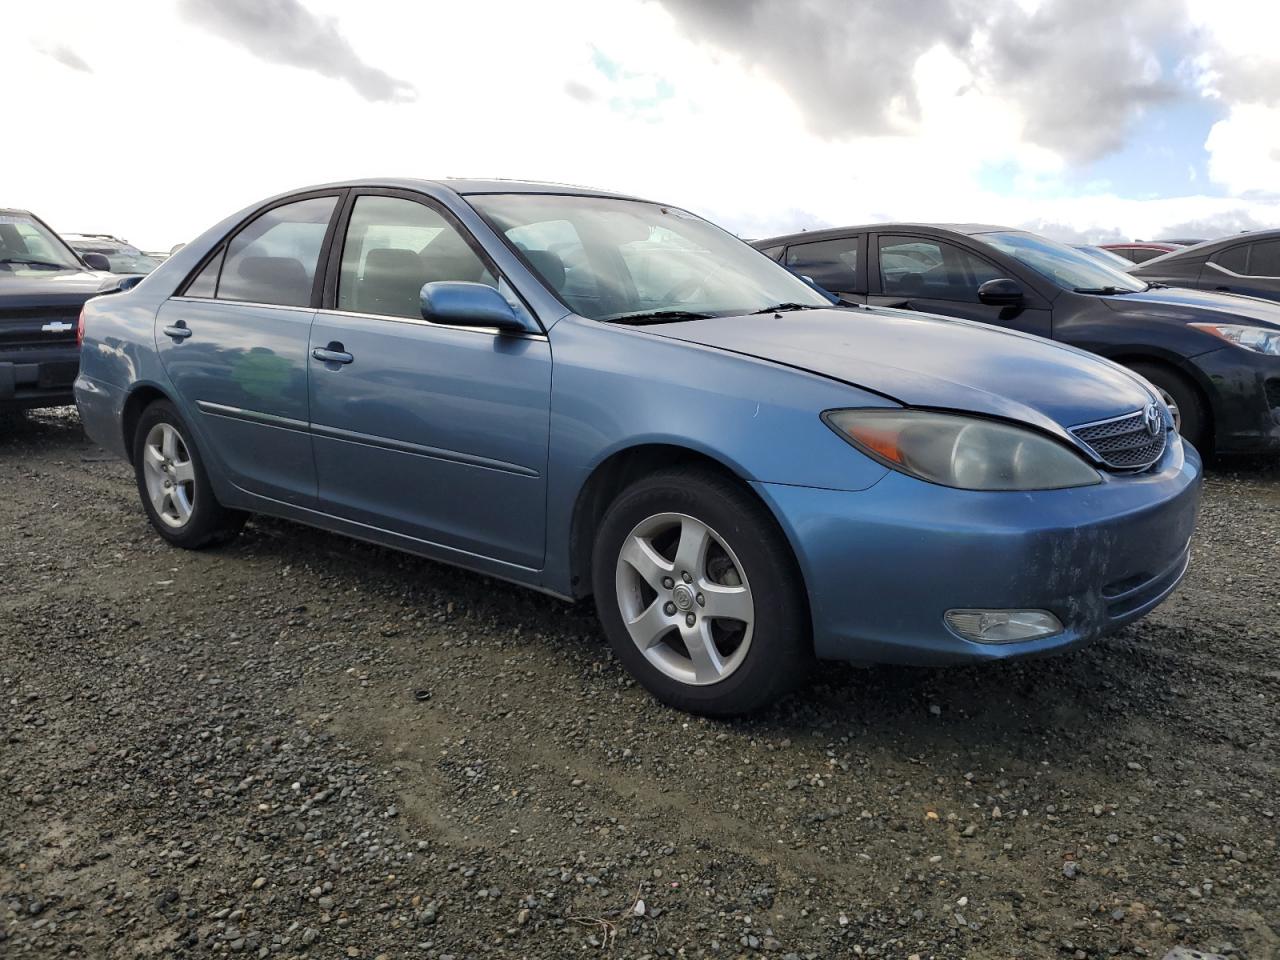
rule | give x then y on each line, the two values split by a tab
235	346
1252	269
438	433
935	276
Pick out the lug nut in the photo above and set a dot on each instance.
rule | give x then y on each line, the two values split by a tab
702	601
685	576
690	620
669	608
668	582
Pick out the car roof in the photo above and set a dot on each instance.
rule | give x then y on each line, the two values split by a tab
464	186
16	210
1141	244
832	233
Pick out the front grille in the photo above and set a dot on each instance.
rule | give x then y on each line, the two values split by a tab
1124	443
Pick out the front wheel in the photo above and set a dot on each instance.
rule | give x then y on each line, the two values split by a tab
173	485
1190	416
699	594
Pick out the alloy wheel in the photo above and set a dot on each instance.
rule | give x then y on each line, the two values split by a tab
684	598
170	475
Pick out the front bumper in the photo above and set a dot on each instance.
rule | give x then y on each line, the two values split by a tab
882	566
1245	398
38	378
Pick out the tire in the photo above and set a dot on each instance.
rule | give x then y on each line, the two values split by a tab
185	512
1190	412
693	520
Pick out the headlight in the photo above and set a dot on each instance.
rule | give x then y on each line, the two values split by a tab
1258	339
959	451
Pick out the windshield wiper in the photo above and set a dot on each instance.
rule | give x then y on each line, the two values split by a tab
657	316
785	307
1108	291
27	261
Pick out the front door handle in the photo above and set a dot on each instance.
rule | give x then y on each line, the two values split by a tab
178	331
332	354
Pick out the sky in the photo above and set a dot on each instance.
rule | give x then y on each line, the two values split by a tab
1087	120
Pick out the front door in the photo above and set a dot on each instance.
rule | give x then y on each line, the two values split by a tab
933	276
235	346
437	433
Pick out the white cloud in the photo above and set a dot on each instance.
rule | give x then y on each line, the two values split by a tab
176	127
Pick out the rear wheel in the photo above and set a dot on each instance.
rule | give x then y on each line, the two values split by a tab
699	594
1190	414
173	485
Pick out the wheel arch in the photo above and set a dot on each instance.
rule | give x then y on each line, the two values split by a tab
139	398
1188	373
618	471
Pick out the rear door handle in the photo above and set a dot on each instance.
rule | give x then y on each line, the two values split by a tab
330	355
178	331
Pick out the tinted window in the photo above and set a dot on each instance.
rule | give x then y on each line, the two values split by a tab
205	283
273	259
773	253
1235	259
1264	259
1143	254
1126	252
911	267
394	246
832	264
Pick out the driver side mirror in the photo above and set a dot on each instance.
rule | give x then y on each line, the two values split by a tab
462	304
1000	293
96	261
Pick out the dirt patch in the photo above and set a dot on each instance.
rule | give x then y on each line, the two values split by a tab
300	745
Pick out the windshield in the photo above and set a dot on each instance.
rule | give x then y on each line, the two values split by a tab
1063	265
28	246
611	259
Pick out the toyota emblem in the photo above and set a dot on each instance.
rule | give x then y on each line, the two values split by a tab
1153	419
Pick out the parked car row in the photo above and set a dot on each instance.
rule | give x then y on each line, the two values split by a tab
598	396
1215	359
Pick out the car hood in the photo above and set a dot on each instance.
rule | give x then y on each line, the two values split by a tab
922	360
54	288
1187	306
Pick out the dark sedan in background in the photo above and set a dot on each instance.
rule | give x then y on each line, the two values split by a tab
1214	358
1140	251
1246	263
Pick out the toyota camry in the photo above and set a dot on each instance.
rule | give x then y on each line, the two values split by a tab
597	396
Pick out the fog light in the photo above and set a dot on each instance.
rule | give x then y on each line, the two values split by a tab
1003	626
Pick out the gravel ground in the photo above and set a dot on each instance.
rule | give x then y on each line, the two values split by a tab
302	746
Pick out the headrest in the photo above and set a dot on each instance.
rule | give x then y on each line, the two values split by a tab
393	260
549	266
281	271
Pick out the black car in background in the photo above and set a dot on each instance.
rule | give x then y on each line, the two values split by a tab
43	285
1247	263
122	256
1214	358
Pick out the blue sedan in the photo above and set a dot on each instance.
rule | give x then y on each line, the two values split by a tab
594	395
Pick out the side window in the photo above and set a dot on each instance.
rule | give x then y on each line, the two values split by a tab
1235	259
392	247
273	259
832	264
1143	254
913	267
1264	259
773	253
205	283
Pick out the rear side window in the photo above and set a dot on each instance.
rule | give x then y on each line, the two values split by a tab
1264	259
274	258
393	246
1235	259
773	253
1143	254
831	264
205	283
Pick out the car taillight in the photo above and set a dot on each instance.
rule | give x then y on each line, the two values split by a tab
80	329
